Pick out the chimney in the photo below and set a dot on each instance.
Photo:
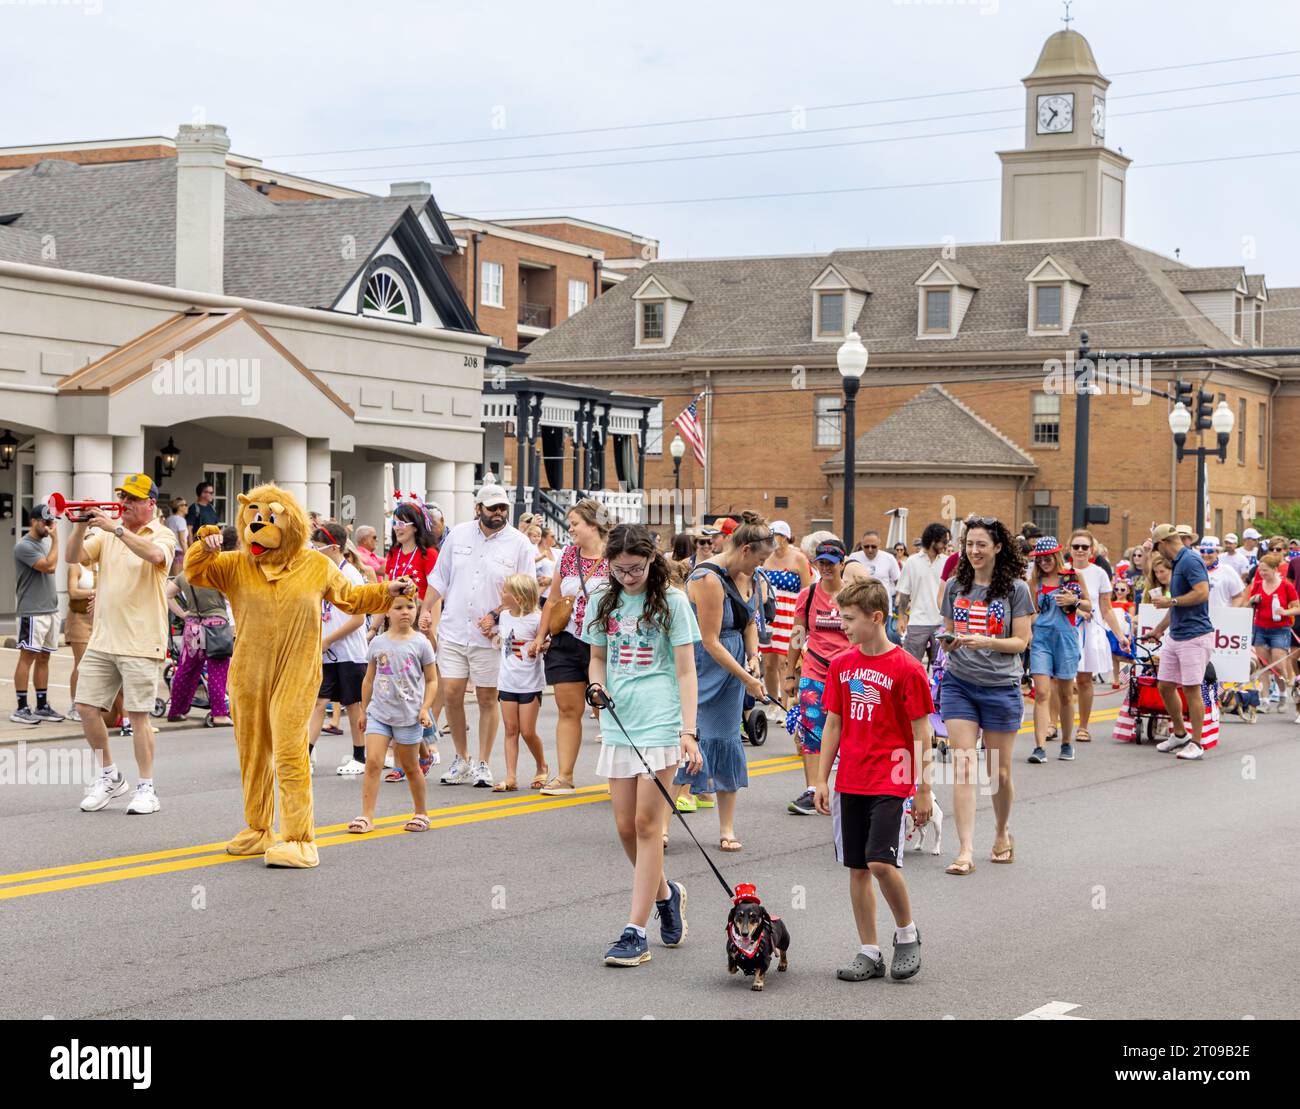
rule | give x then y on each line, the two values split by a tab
201	207
410	188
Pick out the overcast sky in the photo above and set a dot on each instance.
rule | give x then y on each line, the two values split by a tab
288	78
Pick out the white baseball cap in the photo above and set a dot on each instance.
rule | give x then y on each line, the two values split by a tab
1251	533
780	527
1209	542
1231	537
491	495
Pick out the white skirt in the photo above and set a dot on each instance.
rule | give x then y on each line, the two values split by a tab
622	762
1094	654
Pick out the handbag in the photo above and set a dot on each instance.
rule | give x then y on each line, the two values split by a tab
216	636
562	610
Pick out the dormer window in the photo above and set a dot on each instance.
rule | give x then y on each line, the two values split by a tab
1055	288
1047	307
661	305
1238	307
938	311
652	321
944	293
830	314
387	291
838	294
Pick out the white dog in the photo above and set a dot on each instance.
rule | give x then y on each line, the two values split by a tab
916	837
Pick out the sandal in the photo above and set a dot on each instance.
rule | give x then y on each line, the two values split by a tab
539	779
728	844
1052	733
558	787
505	787
418	823
1081	735
360	826
1009	851
960	867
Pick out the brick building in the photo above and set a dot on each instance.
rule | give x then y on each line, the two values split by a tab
967	402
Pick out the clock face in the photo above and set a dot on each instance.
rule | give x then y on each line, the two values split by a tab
1056	113
1098	116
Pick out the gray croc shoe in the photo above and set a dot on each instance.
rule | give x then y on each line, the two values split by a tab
861	969
907	959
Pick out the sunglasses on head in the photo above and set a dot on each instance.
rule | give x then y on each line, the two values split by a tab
981	521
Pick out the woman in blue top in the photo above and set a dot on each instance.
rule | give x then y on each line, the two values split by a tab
725	598
642	631
1061	598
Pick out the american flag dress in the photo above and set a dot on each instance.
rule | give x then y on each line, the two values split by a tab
785	584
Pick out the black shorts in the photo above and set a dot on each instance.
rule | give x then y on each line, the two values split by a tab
869	828
567	660
341	682
519	698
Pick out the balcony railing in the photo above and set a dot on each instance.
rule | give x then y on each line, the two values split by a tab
535	315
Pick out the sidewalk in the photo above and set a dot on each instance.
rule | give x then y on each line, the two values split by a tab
60	670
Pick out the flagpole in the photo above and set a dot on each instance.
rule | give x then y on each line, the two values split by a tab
708	446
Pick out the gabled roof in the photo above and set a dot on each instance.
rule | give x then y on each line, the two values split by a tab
954	270
1256	286
854	278
907	437
759	307
1207	279
670	285
1282	318
1062	265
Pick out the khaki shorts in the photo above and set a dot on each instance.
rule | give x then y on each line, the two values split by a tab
482	665
101	675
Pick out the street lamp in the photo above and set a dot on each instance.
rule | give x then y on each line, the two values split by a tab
851	359
1220	420
677	448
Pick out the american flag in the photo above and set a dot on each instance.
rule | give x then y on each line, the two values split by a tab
980	618
689	424
863	694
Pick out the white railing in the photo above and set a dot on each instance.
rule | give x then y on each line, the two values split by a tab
625	507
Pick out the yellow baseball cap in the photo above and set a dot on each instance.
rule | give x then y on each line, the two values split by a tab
138	485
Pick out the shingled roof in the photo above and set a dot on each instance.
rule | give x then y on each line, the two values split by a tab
120	221
1206	279
756	307
908	437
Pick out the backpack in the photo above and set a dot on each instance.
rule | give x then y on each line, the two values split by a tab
740	611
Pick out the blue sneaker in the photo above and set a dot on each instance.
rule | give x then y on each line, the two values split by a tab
1067	752
672	915
1038	755
631	950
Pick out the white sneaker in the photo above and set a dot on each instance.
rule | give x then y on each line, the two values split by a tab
1192	751
1173	743
460	772
434	757
143	801
73	714
388	760
103	791
482	776
350	767
311	759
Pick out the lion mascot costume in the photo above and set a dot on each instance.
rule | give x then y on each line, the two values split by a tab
276	585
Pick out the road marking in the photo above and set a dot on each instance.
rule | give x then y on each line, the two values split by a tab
170	861
1053	1010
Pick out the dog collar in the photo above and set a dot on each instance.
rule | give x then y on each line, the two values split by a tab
742	943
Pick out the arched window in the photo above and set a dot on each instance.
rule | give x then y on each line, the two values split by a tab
385	297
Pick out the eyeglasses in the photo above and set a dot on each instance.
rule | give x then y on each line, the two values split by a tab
1080	546
624	573
871	546
704	542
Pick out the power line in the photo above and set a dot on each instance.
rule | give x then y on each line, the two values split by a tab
803	149
757	115
853	189
788	133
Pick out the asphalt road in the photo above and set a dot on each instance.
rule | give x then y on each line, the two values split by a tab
1143	887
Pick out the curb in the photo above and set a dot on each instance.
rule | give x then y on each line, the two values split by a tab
43	733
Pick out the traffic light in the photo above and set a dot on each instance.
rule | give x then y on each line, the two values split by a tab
1204	410
1183	394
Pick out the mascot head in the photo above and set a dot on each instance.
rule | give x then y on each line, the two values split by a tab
272	525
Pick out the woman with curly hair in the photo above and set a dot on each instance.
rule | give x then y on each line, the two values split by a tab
987	613
642	635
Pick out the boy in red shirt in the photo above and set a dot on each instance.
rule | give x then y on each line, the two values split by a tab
878	705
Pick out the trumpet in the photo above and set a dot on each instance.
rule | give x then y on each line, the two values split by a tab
78	512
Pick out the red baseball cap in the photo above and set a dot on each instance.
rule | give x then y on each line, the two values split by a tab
727	525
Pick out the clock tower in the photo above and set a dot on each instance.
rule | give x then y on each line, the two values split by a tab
1065	183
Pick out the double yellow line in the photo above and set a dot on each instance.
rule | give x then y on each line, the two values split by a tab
98	872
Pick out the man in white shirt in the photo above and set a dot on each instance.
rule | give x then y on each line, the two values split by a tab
461	608
1233	557
881	565
1226	586
919	586
1250	548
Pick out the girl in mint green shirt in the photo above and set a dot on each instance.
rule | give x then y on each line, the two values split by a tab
642	634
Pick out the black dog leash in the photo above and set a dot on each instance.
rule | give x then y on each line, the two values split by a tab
598	698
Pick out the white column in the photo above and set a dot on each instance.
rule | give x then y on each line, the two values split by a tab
289	463
128	456
464	494
53	474
318	476
440	484
92	464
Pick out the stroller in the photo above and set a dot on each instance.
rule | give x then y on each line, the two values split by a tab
1144	707
175	640
942	752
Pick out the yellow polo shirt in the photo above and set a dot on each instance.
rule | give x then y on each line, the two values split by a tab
130	606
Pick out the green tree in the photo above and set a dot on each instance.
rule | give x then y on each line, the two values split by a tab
1282	519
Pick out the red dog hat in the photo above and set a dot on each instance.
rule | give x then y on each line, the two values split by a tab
746	892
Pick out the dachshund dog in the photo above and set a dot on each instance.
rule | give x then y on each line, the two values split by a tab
752	936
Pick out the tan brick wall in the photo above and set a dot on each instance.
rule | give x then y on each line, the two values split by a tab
1285	435
89	157
614	246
